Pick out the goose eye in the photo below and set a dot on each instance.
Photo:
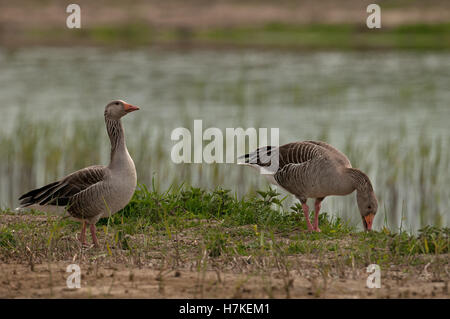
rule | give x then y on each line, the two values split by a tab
369	207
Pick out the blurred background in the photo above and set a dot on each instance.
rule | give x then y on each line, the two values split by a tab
310	68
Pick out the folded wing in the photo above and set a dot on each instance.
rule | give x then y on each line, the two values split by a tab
61	193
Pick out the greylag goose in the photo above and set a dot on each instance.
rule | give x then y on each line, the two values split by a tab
95	191
313	169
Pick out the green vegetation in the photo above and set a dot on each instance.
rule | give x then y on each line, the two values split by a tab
415	168
212	240
186	222
272	35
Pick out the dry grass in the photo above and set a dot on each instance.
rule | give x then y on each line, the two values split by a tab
161	246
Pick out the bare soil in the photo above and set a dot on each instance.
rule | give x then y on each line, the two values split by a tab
180	268
122	281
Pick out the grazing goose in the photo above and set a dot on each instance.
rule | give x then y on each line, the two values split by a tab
312	169
95	191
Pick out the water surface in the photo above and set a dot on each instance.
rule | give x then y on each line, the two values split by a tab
388	111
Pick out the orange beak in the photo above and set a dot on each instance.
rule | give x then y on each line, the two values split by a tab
369	220
130	108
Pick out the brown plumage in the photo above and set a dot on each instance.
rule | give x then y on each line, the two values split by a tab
95	191
314	169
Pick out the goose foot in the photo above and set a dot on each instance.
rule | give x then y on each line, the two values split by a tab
83	242
94	236
305	210
82	236
316	214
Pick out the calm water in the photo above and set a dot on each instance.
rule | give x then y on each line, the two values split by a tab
389	112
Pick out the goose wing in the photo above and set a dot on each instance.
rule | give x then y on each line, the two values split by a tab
90	202
62	192
292	176
295	162
334	153
292	153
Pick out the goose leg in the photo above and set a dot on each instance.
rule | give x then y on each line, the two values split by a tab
305	209
94	236
316	213
82	237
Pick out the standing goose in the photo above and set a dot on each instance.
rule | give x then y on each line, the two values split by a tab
312	169
95	191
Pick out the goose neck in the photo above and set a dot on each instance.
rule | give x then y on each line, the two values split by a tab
117	139
359	180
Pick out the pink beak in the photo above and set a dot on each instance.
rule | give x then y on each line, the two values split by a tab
130	108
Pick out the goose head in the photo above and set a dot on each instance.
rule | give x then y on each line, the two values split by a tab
118	108
368	206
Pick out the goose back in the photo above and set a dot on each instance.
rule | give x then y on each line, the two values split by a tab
308	169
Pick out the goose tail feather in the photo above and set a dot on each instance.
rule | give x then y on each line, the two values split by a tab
37	196
261	157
